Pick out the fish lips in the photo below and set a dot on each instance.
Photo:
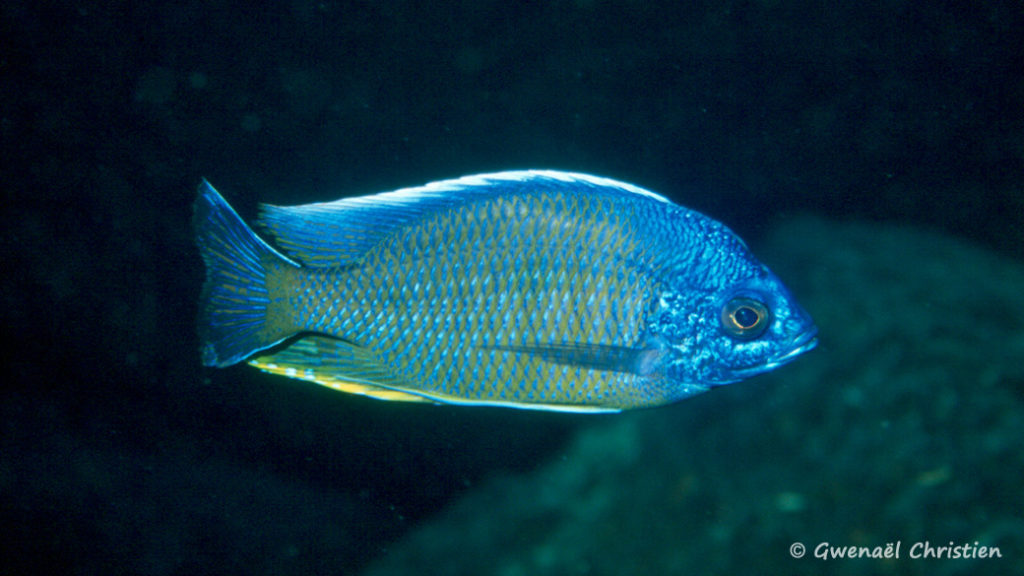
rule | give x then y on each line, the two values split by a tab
803	342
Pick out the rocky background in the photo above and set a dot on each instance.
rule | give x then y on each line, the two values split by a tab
871	153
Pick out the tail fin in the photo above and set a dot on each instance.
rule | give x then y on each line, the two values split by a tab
233	305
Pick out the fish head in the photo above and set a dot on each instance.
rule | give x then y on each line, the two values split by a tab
729	331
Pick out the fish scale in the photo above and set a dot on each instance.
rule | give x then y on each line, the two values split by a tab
529	289
526	287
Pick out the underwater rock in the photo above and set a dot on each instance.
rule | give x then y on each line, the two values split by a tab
904	426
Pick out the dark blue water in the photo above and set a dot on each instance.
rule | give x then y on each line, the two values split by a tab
120	454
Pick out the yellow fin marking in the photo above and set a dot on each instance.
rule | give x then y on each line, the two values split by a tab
341	385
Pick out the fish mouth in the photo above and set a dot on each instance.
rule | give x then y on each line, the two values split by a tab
803	342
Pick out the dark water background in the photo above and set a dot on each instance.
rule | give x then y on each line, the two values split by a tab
119	454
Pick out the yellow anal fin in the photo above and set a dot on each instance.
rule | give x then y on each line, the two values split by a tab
337	365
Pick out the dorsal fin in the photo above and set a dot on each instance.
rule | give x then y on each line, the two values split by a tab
340	232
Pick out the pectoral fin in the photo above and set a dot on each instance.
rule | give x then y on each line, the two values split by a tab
642	360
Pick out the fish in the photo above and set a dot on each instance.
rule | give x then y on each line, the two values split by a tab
534	289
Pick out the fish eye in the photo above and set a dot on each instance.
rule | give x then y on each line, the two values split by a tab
745	318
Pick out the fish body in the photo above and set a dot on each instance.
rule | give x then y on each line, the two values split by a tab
531	289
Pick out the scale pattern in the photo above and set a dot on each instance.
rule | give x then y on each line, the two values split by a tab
445	302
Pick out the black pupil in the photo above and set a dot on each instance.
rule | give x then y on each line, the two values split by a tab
746	317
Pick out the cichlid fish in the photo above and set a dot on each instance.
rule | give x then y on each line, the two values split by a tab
530	289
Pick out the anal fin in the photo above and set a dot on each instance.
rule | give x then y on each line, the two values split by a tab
338	365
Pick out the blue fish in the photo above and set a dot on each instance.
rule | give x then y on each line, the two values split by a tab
529	289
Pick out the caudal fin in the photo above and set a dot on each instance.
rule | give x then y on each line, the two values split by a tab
233	306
